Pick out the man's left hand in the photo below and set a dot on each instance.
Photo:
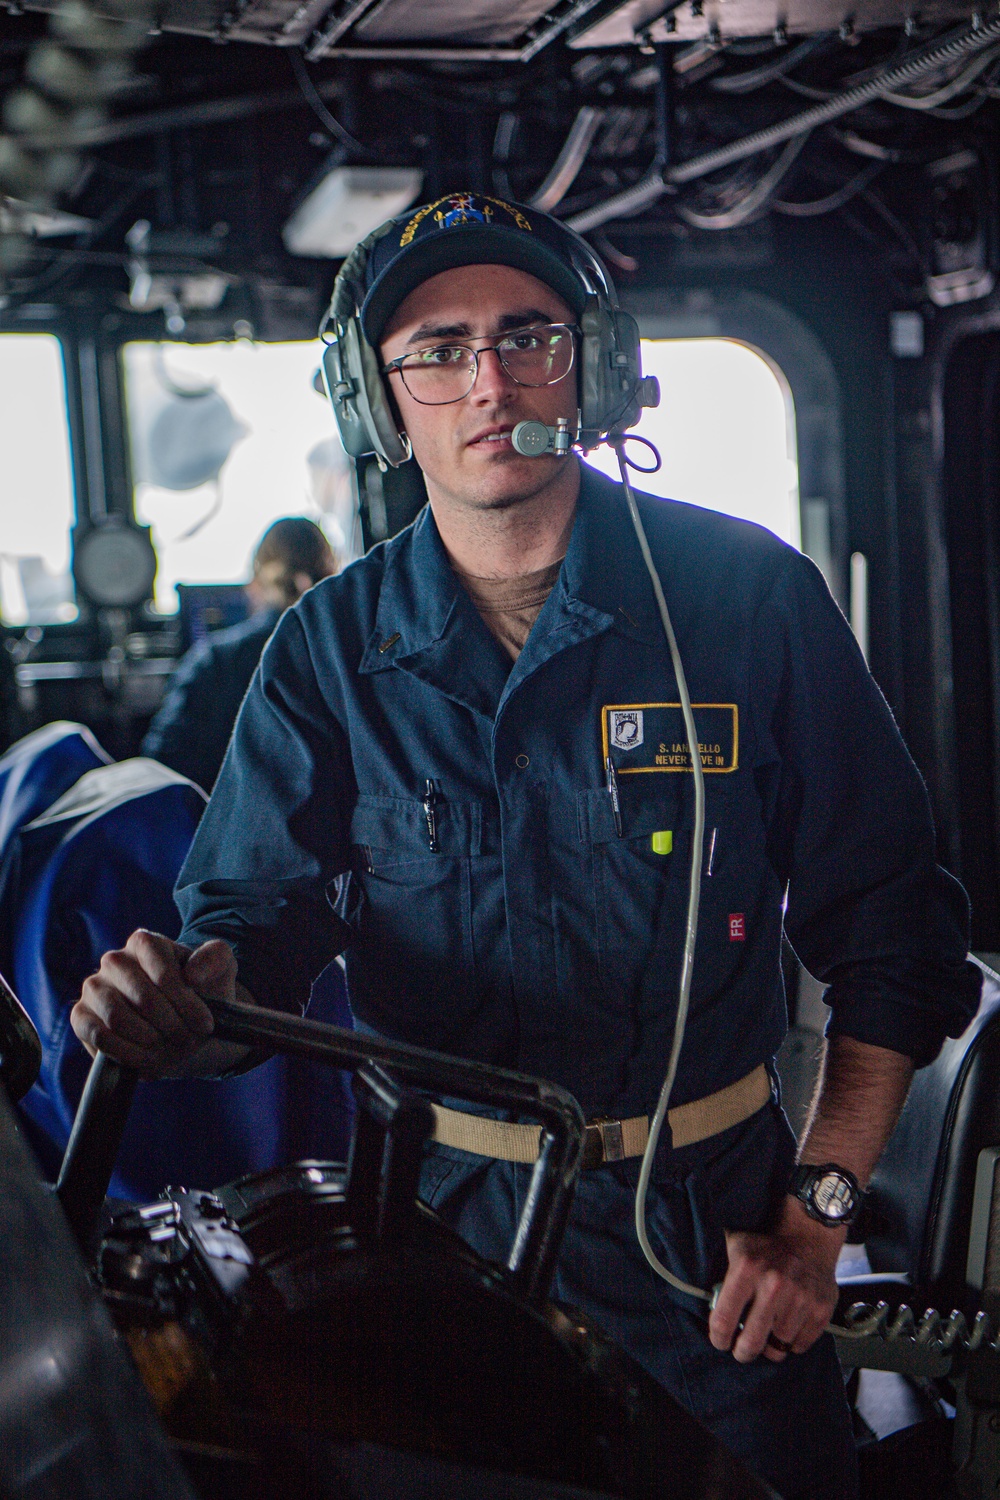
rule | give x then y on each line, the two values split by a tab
780	1287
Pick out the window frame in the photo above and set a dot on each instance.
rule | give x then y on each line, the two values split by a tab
47	321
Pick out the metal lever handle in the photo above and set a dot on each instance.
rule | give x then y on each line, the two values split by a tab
390	1129
550	1192
92	1148
107	1097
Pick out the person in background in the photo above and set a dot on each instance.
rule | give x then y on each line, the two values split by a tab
192	728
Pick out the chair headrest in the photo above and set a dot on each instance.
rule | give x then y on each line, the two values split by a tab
105	787
41	767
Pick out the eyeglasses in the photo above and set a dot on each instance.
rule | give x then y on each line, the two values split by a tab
447	372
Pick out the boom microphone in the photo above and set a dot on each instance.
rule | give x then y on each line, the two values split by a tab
533	439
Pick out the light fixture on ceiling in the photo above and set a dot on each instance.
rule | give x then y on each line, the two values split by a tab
348	204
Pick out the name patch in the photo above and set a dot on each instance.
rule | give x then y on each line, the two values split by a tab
643	737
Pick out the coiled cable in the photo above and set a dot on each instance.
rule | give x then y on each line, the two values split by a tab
617	441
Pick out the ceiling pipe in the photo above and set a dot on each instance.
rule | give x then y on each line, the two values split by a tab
571	158
936	55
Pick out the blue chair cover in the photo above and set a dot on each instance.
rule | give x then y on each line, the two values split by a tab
33	773
99	862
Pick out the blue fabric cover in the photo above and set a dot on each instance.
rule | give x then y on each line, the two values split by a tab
33	773
99	862
39	768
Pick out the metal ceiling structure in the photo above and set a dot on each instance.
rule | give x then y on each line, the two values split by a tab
583	109
501	31
727	20
484	30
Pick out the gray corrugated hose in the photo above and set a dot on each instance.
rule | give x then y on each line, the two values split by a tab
937	55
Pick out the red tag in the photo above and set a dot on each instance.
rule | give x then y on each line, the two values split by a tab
737	927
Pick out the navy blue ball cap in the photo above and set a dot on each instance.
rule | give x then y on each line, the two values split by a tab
466	229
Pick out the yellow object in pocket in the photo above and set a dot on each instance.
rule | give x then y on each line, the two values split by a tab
663	842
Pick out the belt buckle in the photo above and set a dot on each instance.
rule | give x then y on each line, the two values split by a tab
603	1142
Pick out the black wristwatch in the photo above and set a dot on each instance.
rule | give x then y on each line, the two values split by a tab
829	1194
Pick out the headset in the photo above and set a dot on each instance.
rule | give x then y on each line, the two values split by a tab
612	393
612	387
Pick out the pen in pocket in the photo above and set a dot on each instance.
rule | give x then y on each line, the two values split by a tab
613	794
430	801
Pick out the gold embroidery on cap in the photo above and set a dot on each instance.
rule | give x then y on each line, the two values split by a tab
520	219
417	220
462	210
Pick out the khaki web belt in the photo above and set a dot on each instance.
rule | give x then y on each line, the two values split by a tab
607	1140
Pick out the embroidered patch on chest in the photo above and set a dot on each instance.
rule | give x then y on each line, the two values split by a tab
650	737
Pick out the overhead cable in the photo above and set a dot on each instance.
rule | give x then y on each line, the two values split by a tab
810	91
315	102
183	117
949	90
832	201
931	59
615	257
934	57
972	105
571	158
863	147
756	78
503	145
623	205
503	139
807	90
752	203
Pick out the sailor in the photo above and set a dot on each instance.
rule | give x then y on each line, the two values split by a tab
193	723
462	762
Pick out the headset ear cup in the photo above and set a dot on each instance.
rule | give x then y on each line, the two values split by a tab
360	405
626	373
609	373
389	445
594	347
340	389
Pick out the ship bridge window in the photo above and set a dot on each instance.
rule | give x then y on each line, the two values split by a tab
725	429
225	438
37	504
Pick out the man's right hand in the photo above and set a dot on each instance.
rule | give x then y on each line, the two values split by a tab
145	1006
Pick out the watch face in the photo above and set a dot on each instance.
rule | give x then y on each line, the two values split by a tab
833	1196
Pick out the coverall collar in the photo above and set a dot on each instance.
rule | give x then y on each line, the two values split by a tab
424	613
604	567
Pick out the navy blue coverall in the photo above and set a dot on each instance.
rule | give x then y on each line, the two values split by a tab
540	939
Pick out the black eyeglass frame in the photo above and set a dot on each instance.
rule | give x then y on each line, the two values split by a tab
398	364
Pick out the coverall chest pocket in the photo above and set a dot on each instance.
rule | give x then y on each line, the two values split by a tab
639	877
415	920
